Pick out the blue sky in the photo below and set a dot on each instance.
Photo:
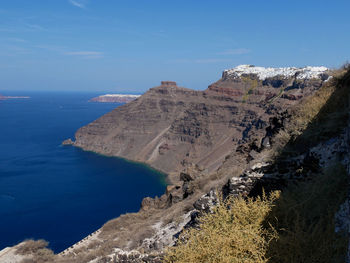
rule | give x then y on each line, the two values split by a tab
130	46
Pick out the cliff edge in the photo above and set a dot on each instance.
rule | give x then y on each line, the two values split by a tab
170	127
255	128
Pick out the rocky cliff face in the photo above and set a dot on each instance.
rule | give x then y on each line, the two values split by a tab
226	138
170	127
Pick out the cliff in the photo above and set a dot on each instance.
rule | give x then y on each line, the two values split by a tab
170	127
254	129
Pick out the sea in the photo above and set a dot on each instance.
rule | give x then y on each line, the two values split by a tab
61	193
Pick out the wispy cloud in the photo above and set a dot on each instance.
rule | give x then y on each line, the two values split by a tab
85	54
237	51
62	50
200	61
77	3
34	27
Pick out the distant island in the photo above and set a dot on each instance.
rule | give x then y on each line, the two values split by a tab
121	98
13	97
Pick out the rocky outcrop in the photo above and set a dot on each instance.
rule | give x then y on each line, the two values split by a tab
169	126
210	141
207	141
68	142
342	218
119	98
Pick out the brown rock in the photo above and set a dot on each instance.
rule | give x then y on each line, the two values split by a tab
170	127
68	142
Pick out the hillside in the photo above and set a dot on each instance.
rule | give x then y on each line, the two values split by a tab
255	130
171	128
297	204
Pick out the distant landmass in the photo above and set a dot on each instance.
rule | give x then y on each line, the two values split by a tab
121	98
13	97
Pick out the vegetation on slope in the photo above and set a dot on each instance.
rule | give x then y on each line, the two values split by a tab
304	218
38	251
320	116
228	235
294	226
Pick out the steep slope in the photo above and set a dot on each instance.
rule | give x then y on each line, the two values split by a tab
307	218
170	127
255	127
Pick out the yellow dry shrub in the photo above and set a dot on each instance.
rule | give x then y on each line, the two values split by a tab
232	233
293	226
324	114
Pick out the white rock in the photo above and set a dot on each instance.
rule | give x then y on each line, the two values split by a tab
287	72
121	95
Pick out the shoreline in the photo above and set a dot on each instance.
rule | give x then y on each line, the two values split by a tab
166	179
81	243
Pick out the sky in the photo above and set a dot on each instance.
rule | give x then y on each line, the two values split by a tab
117	46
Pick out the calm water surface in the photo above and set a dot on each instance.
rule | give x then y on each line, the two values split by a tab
61	193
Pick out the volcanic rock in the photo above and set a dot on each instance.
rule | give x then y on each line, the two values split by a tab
170	126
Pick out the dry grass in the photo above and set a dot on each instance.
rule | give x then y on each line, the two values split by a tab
37	250
129	230
252	83
228	235
31	246
295	226
304	217
325	114
318	117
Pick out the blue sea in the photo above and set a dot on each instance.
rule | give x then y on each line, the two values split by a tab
61	193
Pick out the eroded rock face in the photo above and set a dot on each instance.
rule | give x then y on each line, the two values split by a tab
169	126
193	135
